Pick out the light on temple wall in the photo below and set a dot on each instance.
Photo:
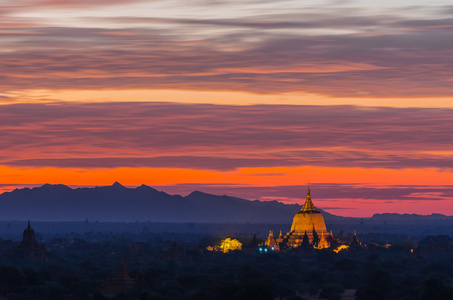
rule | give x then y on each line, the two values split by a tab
230	245
341	247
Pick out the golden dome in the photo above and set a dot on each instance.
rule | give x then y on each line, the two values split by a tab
308	219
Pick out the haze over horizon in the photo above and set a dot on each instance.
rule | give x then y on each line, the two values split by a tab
245	98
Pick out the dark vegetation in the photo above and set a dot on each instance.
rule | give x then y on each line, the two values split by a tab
77	264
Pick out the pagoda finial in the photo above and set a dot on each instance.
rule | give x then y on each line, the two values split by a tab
308	206
28	224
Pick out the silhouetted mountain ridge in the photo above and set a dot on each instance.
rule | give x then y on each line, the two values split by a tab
393	218
119	203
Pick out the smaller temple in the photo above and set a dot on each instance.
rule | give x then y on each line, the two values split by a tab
323	242
29	247
271	243
252	246
121	283
355	241
280	238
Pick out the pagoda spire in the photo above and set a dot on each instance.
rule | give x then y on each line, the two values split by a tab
308	206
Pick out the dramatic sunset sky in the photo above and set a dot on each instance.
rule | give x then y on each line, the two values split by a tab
249	98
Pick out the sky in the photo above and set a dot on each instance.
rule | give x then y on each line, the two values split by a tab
250	98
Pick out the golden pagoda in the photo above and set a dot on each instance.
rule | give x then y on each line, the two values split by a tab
308	221
307	231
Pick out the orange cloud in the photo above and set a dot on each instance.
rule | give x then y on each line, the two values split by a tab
244	177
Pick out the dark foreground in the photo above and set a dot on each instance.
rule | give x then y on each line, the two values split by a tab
178	266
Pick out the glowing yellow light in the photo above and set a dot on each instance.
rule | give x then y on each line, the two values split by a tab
230	245
341	247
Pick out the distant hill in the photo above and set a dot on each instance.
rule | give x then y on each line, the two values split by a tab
392	218
117	203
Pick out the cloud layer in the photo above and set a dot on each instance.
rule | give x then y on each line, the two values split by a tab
339	52
214	137
324	193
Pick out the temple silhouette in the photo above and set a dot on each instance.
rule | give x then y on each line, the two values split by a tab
119	284
29	248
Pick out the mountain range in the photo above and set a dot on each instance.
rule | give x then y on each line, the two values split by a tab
117	203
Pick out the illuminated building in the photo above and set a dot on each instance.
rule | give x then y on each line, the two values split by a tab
230	245
308	227
280	238
271	243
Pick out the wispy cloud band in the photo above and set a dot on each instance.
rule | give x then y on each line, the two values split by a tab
215	137
337	52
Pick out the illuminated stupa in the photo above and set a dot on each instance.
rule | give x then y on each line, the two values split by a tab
308	218
308	231
308	221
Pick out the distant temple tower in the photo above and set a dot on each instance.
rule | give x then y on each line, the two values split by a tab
29	247
355	241
29	238
271	243
121	283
